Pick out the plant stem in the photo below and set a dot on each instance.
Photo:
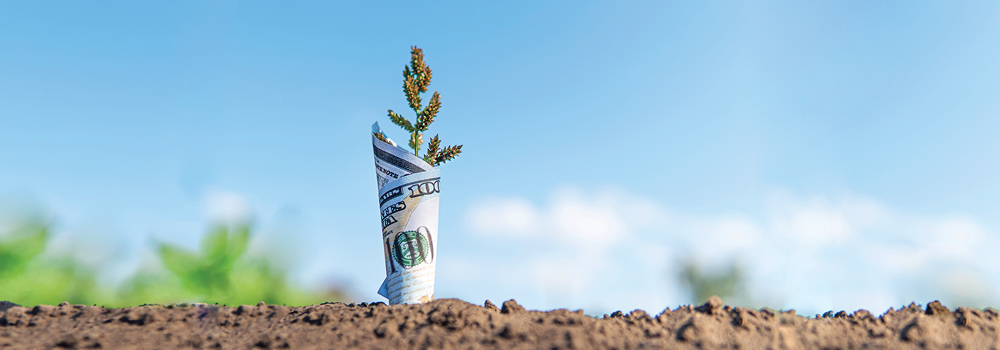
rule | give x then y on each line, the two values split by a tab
415	135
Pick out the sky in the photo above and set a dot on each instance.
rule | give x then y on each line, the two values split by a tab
843	153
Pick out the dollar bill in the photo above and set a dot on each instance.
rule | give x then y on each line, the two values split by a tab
408	202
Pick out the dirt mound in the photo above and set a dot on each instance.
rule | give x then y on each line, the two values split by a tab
452	323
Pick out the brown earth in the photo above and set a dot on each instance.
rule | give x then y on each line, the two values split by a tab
455	324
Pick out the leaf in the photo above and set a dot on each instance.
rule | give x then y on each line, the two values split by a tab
412	92
214	246
424	77
432	150
399	120
17	251
426	117
179	261
239	238
416	139
30	242
421	73
448	153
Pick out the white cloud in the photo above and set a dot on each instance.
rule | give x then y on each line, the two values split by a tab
585	221
819	220
559	277
717	240
504	216
954	238
589	219
225	206
967	287
812	252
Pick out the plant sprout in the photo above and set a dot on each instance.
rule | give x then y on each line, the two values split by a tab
416	78
24	244
208	273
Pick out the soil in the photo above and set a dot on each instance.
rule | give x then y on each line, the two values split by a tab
455	324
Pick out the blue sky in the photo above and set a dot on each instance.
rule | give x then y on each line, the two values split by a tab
603	141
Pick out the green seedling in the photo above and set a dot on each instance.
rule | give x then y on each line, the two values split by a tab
416	78
23	245
726	284
208	273
29	278
220	273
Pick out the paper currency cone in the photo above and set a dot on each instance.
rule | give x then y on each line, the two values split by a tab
408	202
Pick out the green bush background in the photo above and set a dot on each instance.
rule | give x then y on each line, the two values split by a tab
219	272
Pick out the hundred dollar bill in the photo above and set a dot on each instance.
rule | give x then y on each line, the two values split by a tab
408	202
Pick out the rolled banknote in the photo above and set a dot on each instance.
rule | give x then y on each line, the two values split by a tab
408	202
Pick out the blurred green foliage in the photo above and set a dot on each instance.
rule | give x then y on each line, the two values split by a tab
208	274
727	284
219	272
24	244
28	280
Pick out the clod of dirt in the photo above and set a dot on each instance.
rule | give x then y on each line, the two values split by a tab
489	306
925	331
702	332
936	309
455	324
712	306
67	342
511	307
4	305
